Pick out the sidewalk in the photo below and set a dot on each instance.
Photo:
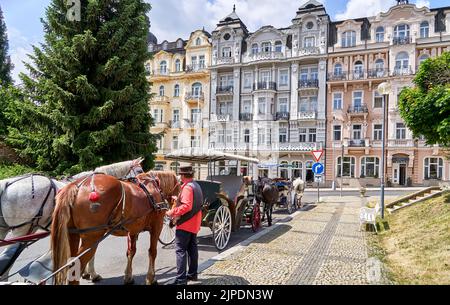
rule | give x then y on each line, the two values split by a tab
321	245
337	190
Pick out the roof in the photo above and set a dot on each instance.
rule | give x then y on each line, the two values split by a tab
199	155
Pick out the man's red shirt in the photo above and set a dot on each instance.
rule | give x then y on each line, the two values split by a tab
186	204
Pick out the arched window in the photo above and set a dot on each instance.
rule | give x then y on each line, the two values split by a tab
424	29
348	39
338	69
348	167
379	34
266	47
159	166
297	170
163	67
278	46
401	34
161	91
370	167
196	90
148	69
178	65
401	63
255	48
198	41
176	90
423	57
379	64
433	168
359	70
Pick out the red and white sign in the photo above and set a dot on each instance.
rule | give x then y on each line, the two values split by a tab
317	154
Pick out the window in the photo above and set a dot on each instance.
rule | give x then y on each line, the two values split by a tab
424	29
314	74
175	142
161	91
194	62
195	141
247	136
284	78
278	46
247	106
400	131
348	39
433	168
370	167
379	34
346	168
337	101
377	132
158	115
313	105
303	104
402	60
261	136
254	48
266	47
226	52
423	57
196	90
283	104
337	69
247	80
357	132
302	135
177	65
176	90
196	115
262	105
401	31
359	70
312	135
304	75
337	132
176	115
265	76
377	100
163	67
198	42
357	99
221	136
309	42
283	134
201	62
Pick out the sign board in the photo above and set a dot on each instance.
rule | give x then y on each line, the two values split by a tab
318	168
317	154
318	178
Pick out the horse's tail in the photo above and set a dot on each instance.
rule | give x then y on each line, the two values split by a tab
60	233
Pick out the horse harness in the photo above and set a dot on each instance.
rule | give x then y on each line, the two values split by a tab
35	220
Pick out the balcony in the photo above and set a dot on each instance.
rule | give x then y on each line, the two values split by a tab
224	117
193	124
337	76
357	75
401	143
195	68
306	146
163	72
308	83
263	56
282	116
377	73
265	86
160	125
309	51
401	40
356	143
307	115
224	89
164	100
399	71
175	124
192	98
224	60
246	116
361	109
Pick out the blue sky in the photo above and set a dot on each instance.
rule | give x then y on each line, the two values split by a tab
177	18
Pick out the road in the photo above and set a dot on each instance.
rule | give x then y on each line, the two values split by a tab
111	255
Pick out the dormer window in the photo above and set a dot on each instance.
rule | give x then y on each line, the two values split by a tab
379	34
401	31
348	39
424	29
179	43
254	48
278	46
164	46
226	52
198	42
309	42
266	47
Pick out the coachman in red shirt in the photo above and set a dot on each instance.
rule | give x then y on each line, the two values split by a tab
188	216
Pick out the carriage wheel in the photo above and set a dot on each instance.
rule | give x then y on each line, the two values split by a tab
167	235
290	203
256	217
222	227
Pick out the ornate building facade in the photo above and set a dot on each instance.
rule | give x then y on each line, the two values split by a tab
179	76
362	54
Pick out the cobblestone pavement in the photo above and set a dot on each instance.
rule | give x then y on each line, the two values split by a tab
322	245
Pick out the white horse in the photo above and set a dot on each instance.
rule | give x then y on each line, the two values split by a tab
27	202
299	188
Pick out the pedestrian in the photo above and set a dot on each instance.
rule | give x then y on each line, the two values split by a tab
188	216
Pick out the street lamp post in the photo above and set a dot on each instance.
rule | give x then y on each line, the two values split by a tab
385	90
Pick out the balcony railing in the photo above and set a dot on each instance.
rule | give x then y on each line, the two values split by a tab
358	109
356	143
161	99
265	86
401	40
264	56
309	51
191	97
306	146
195	68
337	76
308	83
224	89
246	116
401	143
282	116
358	75
193	124
175	124
402	71
160	72
307	115
224	60
224	117
377	73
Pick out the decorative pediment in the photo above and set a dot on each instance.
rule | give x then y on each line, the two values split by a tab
349	25
266	30
404	12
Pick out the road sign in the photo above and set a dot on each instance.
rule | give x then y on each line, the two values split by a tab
317	154
318	178
318	168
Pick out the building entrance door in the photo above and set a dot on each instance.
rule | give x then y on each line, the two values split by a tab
402	175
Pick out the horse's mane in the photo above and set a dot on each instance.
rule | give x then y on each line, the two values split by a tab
117	170
167	182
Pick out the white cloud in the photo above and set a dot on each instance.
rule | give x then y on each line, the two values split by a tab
172	19
422	3
20	47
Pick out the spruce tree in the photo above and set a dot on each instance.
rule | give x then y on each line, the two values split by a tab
5	61
86	98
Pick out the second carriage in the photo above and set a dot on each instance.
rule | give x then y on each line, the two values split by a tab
228	200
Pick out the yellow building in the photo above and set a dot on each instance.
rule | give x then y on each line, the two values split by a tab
180	83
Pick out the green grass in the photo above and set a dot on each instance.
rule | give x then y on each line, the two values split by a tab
7	171
414	243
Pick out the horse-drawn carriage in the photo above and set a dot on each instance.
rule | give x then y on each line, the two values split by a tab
290	194
228	199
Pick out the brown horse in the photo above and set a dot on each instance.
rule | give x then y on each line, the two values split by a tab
123	205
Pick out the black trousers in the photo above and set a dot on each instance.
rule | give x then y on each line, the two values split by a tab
187	252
